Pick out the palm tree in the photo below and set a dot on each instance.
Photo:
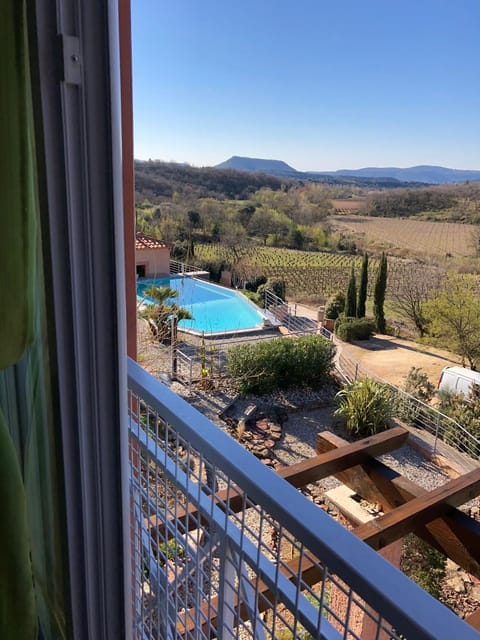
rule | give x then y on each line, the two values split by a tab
159	313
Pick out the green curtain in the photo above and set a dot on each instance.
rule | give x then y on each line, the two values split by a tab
32	566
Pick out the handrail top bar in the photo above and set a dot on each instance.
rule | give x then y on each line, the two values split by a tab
373	578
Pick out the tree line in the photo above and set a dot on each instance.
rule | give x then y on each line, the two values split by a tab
457	202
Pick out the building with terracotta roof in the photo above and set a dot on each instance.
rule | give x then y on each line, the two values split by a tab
152	256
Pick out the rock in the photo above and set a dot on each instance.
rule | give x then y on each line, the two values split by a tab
451	566
475	592
275	428
456	583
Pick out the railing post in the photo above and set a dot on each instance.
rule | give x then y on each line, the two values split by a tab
227	595
173	346
356	371
437	427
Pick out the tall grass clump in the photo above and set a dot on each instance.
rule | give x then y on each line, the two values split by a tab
366	406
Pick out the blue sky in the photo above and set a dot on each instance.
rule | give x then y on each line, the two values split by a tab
321	85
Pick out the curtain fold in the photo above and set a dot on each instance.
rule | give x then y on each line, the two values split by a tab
32	559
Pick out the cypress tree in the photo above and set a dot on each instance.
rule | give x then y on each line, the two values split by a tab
379	295
351	306
362	290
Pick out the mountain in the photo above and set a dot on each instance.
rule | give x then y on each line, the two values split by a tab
422	173
382	176
281	169
257	165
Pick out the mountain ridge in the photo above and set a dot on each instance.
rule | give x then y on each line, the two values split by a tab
426	174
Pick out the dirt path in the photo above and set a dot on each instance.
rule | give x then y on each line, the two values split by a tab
391	358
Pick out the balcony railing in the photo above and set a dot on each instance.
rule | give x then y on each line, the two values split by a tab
223	547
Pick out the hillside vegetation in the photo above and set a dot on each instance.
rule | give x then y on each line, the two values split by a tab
155	181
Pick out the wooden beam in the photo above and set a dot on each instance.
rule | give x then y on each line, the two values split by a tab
309	569
474	619
335	461
304	472
421	510
455	535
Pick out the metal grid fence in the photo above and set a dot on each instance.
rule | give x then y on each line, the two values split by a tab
223	547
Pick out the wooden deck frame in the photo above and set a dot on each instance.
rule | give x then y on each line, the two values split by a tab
407	507
302	473
454	534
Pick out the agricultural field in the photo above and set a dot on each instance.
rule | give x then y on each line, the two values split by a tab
308	273
347	205
416	236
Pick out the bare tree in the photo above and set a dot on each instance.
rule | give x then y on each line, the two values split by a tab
411	293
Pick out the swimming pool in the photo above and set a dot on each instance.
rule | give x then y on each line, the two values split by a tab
214	309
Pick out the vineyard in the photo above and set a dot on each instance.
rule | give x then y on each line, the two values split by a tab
348	205
307	273
417	236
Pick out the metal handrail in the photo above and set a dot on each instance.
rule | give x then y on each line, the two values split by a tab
422	415
177	266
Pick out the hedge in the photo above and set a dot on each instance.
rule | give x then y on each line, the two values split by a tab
348	329
278	364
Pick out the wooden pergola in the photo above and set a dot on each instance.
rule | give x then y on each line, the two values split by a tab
407	507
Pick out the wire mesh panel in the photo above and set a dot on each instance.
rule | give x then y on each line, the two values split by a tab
223	547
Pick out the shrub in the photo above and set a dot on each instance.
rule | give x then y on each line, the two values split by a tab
215	267
465	411
275	286
347	245
418	385
348	329
366	406
252	285
335	305
282	363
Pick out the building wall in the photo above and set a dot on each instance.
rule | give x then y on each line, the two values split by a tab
156	261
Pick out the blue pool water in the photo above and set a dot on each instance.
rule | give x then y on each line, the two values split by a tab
214	309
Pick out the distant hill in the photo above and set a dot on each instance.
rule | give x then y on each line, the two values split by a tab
156	180
283	170
422	173
257	165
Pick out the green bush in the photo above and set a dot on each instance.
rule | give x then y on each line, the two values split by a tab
465	411
366	406
252	285
275	286
348	329
335	305
418	385
278	364
215	267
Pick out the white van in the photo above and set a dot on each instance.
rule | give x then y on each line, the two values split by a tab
458	380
